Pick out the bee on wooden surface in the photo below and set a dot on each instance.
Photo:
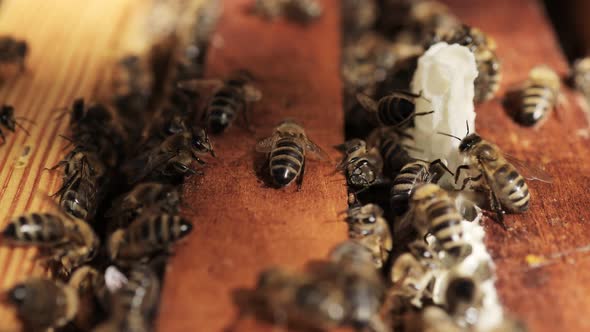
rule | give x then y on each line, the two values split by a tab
83	178
539	96
8	121
367	225
396	110
131	84
149	234
363	166
171	157
299	299
498	176
133	306
580	76
69	242
287	149
13	52
394	153
43	303
410	176
152	195
432	210
231	97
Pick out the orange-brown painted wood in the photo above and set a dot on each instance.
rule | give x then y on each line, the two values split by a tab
241	225
556	296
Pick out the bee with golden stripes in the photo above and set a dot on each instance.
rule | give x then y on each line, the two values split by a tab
363	166
69	242
367	225
287	149
395	110
42	303
231	97
539	96
149	234
8	121
13	51
506	187
433	211
133	306
393	152
152	195
411	175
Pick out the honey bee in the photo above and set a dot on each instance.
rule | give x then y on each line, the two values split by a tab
8	120
231	97
396	110
84	176
133	306
367	225
303	11
363	166
296	298
484	49
287	148
43	303
69	242
539	96
432	210
411	175
394	153
152	195
13	52
505	186
173	156
580	76
149	234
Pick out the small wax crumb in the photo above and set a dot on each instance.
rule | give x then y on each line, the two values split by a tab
534	260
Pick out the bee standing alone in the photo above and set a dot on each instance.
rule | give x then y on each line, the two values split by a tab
287	148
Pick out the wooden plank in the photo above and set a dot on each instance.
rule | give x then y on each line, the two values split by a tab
70	44
242	226
552	297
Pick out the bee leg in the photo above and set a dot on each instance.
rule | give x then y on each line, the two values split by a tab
3	137
56	166
300	177
440	163
458	172
469	179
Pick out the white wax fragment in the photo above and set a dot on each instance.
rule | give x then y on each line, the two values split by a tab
444	78
114	279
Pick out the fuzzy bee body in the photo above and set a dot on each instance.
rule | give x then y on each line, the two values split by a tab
13	51
44	303
363	166
287	149
539	96
150	233
435	212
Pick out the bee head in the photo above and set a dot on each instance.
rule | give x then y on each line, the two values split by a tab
7	117
469	142
201	142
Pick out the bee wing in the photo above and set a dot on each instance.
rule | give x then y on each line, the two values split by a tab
200	84
528	171
366	102
316	150
141	167
266	144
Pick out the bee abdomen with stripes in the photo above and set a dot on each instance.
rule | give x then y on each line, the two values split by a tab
539	96
286	161
41	229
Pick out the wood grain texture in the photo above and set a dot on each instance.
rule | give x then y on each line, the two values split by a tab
553	297
241	225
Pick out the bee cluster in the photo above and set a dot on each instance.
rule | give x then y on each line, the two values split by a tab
117	213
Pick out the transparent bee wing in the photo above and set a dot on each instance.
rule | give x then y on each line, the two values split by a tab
366	102
266	144
316	150
200	85
141	167
252	94
528	171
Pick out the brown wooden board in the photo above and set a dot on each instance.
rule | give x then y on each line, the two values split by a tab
554	297
242	225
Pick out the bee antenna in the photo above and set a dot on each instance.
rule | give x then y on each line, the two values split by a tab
467	124
20	118
23	128
453	136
